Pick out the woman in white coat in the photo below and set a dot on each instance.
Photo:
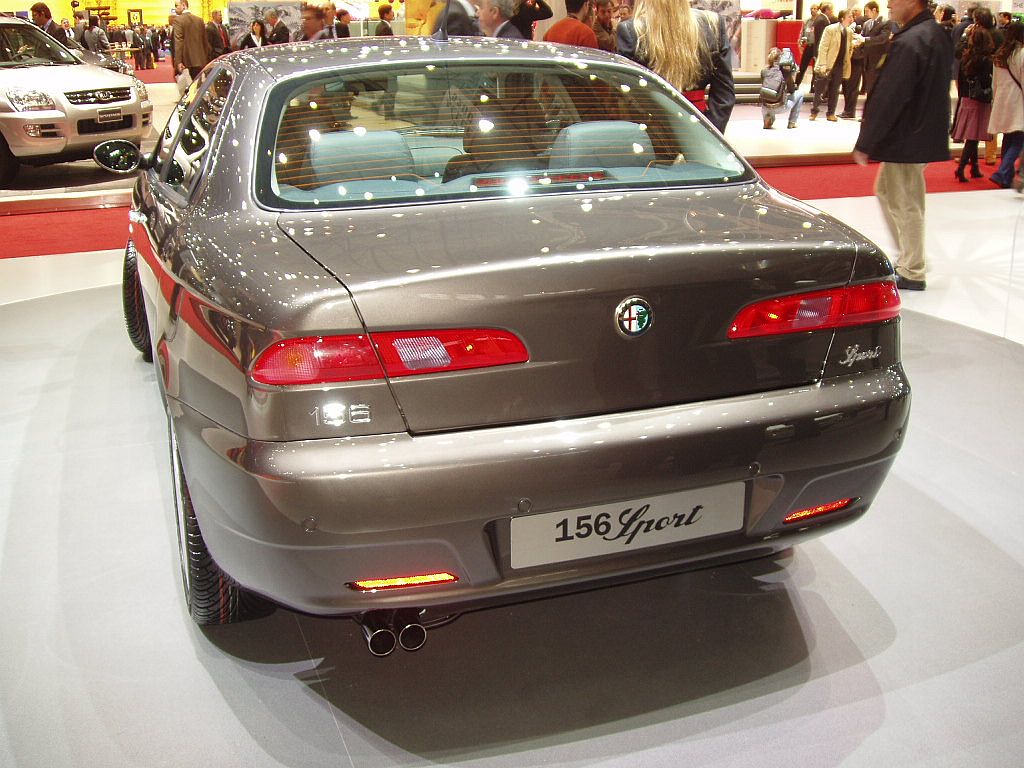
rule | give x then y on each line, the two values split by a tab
1007	115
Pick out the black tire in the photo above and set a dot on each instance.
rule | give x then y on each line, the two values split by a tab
211	595
8	164
134	307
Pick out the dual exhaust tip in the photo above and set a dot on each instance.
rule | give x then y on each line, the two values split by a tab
386	630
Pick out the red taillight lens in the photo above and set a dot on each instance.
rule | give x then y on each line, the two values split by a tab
325	359
824	509
835	308
412	352
317	360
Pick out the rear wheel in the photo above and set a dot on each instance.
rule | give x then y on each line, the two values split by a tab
134	307
8	164
212	596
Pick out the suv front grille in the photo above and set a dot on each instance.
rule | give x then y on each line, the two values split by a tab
99	96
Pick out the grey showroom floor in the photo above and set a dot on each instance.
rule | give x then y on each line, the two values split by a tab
894	642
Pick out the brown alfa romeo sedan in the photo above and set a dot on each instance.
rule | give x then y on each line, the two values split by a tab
446	324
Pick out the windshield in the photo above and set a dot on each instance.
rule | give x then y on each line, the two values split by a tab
478	129
23	45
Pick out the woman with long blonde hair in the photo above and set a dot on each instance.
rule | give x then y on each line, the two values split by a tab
686	46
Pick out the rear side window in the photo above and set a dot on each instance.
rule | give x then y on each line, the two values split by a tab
186	156
473	129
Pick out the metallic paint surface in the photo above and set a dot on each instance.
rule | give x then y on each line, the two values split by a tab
293	509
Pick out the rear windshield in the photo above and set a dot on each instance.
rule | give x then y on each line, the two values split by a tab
472	129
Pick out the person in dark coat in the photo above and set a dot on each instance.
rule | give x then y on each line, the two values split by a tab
528	14
666	35
341	27
457	18
220	42
256	37
496	19
876	34
41	18
387	15
279	32
905	126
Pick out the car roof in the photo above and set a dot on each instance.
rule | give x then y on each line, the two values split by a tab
289	59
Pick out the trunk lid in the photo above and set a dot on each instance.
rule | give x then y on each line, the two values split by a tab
553	269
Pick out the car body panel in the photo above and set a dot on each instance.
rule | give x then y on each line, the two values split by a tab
294	506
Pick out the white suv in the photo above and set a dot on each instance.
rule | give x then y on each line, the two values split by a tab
53	108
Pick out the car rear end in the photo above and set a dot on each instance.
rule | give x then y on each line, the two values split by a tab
610	356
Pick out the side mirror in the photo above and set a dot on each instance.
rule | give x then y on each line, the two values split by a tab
119	156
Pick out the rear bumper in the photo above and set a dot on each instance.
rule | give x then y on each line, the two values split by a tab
297	521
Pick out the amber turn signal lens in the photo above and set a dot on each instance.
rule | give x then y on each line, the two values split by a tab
804	514
399	582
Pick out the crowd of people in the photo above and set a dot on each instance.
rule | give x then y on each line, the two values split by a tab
846	50
143	41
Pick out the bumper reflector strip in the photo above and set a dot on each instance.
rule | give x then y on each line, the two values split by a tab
804	514
399	582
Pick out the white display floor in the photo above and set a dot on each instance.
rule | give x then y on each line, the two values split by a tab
897	641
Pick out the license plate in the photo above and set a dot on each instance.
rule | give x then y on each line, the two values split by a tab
609	529
108	116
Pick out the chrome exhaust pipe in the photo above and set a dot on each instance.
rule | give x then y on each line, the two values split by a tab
411	634
380	638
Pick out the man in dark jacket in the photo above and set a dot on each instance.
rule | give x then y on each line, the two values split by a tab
457	18
906	126
220	41
41	18
876	34
277	30
386	14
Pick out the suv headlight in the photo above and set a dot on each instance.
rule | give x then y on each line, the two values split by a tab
24	100
140	87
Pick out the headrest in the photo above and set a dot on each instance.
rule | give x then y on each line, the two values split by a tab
602	144
349	156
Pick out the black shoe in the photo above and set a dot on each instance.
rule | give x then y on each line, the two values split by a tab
847	116
976	172
959	174
906	284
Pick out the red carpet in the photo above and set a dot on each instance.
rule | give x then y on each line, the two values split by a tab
162	73
818	182
34	234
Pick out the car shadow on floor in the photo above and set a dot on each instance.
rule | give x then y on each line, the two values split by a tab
552	671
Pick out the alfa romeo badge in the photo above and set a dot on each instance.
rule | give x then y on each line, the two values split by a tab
633	317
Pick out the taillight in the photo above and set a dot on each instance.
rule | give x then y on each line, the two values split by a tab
317	360
400	582
412	352
325	359
824	509
818	310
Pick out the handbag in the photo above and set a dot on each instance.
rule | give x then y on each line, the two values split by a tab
979	92
184	80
